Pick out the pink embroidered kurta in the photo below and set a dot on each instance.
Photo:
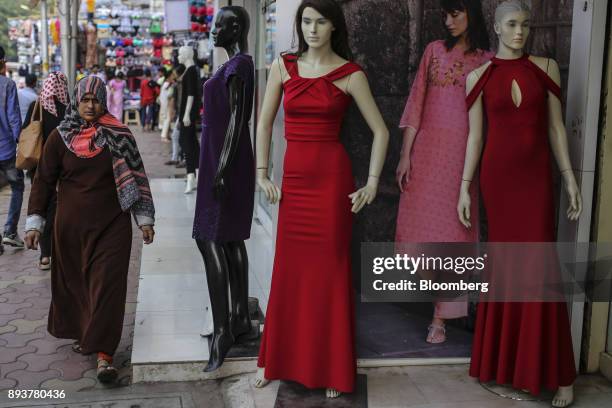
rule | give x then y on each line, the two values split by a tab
436	109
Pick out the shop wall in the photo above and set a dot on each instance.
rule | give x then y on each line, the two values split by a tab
598	322
388	38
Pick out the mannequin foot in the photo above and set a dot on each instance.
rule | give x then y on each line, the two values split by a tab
332	393
260	379
220	344
191	183
564	397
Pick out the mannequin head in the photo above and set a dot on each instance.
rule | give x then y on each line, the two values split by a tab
231	29
512	24
320	23
464	19
185	55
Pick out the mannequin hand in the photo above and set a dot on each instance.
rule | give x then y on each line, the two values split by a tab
31	239
271	190
219	187
463	208
186	122
575	199
147	233
402	173
363	196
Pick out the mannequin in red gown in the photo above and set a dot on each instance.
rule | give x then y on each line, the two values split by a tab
309	326
526	344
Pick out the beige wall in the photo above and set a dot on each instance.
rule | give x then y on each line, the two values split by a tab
598	313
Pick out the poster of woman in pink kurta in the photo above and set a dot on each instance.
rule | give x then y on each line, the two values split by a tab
435	130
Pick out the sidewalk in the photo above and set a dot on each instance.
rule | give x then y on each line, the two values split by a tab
32	359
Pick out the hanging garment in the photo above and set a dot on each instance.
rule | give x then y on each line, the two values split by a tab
227	219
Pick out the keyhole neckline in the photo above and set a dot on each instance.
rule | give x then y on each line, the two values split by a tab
516	93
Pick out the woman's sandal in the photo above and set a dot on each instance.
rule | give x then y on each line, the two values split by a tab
44	266
106	372
436	334
76	347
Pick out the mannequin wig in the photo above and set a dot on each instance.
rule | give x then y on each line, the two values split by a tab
477	34
332	11
510	6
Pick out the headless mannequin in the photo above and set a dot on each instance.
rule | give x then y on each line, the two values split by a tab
185	57
317	61
512	29
228	261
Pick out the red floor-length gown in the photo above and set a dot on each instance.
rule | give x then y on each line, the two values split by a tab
309	327
526	344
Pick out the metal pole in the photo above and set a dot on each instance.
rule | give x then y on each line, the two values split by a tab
74	25
64	16
44	36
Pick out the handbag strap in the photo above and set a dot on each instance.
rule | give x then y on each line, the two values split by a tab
37	109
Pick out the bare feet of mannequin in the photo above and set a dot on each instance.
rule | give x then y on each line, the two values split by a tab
260	380
564	397
436	333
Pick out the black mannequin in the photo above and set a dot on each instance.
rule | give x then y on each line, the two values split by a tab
228	262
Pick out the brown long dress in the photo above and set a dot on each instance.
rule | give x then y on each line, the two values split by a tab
92	244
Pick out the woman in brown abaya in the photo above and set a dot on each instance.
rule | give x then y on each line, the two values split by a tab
93	161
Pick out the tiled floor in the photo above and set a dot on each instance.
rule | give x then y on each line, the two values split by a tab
173	302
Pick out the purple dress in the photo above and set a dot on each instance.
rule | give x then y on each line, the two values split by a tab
228	219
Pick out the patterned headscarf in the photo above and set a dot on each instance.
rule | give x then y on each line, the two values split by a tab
87	140
54	88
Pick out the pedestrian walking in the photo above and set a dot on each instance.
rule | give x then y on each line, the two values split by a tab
27	95
116	87
95	163
175	159
149	90
54	100
166	104
10	127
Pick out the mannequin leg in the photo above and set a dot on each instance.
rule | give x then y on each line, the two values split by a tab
217	272
191	148
238	262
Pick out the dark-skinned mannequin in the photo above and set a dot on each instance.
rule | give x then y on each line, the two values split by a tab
226	261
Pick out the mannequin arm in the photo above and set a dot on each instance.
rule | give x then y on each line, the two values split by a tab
402	173
233	133
187	115
269	109
472	152
360	90
558	143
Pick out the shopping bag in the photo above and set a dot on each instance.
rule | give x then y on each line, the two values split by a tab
29	148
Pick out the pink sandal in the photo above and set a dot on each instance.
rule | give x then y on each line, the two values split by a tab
436	334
